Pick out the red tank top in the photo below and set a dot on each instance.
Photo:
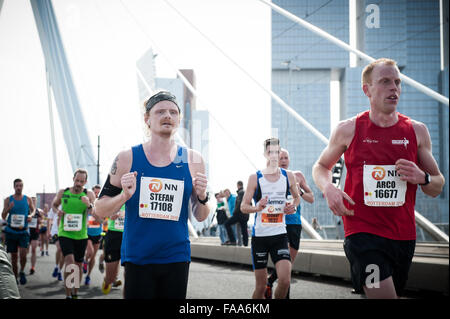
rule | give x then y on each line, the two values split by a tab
384	205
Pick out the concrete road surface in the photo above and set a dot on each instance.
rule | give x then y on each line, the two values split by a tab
207	280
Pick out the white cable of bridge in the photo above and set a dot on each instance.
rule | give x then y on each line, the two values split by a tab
274	96
419	86
186	82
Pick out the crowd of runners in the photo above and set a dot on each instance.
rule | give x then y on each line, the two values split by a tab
143	206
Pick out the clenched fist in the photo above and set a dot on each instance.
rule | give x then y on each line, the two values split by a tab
199	183
128	182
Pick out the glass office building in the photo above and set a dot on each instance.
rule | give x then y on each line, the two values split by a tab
304	65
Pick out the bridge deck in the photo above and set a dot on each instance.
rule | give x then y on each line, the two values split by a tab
429	269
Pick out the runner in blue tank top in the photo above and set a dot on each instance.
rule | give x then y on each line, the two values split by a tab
159	178
269	188
293	221
20	209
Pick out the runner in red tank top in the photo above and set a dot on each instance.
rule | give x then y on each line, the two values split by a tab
387	155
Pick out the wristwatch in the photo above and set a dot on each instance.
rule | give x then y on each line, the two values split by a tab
205	200
427	179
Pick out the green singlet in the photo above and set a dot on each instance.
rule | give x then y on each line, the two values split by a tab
118	224
73	223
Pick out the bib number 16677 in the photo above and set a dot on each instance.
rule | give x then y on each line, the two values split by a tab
386	193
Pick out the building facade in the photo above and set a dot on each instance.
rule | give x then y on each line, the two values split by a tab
304	65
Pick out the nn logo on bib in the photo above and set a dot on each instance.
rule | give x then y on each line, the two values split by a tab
157	185
378	173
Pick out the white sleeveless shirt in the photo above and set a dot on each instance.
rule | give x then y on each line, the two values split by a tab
271	220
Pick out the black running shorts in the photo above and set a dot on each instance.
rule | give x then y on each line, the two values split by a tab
77	247
112	245
277	246
294	232
156	281
372	256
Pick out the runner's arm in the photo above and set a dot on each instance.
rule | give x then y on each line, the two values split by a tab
306	192
199	183
5	208
31	209
246	205
106	206
340	139
57	201
426	163
294	190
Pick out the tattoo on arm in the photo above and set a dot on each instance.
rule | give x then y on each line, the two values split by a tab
114	166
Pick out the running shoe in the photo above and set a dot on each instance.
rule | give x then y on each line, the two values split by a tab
23	279
87	281
31	271
46	253
74	296
42	253
117	283
55	272
268	292
85	265
60	276
106	290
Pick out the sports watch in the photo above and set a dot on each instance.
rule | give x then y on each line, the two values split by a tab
205	200
427	179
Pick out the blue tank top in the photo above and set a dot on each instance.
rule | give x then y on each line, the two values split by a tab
94	228
294	219
156	229
18	216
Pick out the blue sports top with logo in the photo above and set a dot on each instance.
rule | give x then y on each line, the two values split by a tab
271	220
156	230
294	219
17	221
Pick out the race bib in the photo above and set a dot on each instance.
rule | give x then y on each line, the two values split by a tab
73	222
119	223
33	223
161	198
17	221
272	214
382	186
92	223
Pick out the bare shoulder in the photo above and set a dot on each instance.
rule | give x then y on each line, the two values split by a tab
252	180
344	131
422	133
121	165
122	162
90	193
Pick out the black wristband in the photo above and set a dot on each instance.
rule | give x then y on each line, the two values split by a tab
204	201
427	179
109	189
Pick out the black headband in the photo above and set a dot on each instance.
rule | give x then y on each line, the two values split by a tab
161	96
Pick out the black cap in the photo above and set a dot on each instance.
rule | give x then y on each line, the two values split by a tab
161	96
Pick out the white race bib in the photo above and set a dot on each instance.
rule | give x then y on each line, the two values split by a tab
382	186
119	223
17	221
272	214
161	198
33	223
73	222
